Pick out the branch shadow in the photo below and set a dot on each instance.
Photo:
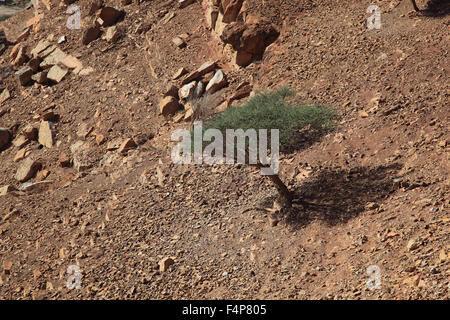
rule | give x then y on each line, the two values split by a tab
336	196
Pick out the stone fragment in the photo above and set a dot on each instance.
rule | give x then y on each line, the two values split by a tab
27	169
127	145
20	141
165	263
180	72
56	56
179	42
57	73
90	34
24	75
187	90
217	82
64	160
168	106
4	96
112	34
109	16
46	134
40	77
40	47
30	132
6	189
5	138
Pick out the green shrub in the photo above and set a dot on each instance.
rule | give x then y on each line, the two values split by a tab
272	110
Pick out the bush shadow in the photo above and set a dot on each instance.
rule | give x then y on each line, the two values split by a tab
338	195
436	8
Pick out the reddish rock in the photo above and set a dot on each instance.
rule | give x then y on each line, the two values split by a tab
90	35
27	170
168	106
109	16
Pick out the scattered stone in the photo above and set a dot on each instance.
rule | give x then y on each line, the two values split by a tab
273	220
4	96
20	141
188	115
204	69
64	160
84	130
187	90
171	90
178	117
249	40
40	77
46	134
94	6
90	35
24	35
47	115
62	39
434	270
100	139
165	263
180	43
57	73
21	154
41	46
199	89
371	206
21	57
231	10
34	186
127	145
27	169
243	90
71	62
363	114
34	63
86	71
207	77
184	3
41	175
6	189
82	160
109	16
53	58
75	147
30	132
212	13
14	51
114	144
181	72
168	106
413	244
24	75
112	34
207	67
217	82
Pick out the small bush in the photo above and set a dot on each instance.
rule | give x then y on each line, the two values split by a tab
271	110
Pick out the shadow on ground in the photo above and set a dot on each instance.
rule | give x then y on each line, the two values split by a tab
437	8
335	196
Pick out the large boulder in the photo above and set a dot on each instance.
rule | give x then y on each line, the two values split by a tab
249	40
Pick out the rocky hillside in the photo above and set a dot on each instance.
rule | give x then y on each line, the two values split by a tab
91	91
